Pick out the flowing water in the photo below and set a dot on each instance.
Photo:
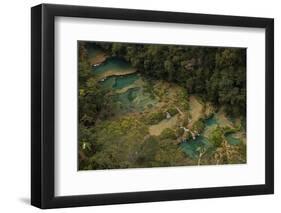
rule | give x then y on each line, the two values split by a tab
192	147
135	99
132	97
119	82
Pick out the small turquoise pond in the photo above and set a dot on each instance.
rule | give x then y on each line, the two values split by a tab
191	146
119	82
211	121
124	81
113	63
232	140
108	83
125	100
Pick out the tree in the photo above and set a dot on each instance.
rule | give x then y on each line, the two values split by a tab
217	136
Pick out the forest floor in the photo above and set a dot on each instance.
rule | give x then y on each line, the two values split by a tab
196	110
170	123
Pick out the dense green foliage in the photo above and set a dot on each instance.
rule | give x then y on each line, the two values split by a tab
120	144
216	74
108	140
217	137
198	126
168	134
155	118
172	111
91	97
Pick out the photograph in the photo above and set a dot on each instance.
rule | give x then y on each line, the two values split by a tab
140	106
146	105
134	105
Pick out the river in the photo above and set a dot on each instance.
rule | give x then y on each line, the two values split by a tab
130	96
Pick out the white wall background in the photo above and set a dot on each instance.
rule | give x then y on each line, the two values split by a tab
15	105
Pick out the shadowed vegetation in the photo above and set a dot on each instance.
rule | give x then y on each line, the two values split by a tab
148	105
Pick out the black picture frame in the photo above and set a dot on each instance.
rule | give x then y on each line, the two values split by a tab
43	102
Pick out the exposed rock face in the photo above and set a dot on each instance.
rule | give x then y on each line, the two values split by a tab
168	116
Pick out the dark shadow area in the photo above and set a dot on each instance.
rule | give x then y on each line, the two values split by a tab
25	200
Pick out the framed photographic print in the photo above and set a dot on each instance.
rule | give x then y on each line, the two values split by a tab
139	106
